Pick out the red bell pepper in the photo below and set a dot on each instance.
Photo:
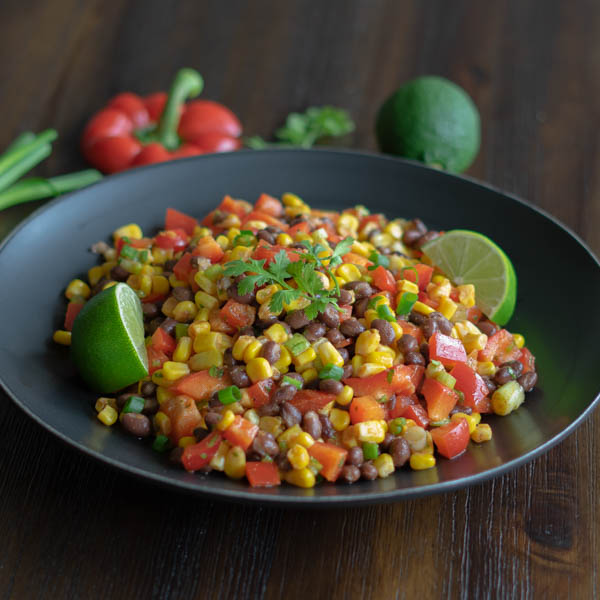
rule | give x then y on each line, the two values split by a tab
156	359
331	457
473	387
173	239
302	226
73	309
262	474
418	414
256	215
440	399
356	259
269	252
345	312
400	405
132	132
207	247
424	272
446	349
162	341
184	416
178	220
366	408
269	205
402	379
200	385
527	360
306	400
411	329
183	267
261	392
383	279
500	348
196	456
241	433
217	323
237	314
452	439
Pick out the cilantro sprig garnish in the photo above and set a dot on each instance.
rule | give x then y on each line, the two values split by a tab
302	273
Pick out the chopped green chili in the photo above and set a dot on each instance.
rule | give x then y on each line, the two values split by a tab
134	404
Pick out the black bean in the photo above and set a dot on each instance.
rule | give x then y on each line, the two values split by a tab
182	294
351	327
461	408
119	273
247	330
239	376
516	366
283	463
427	237
487	327
269	410
136	424
273	230
150	310
355	456
368	471
175	456
387	440
492	387
360	307
214	401
344	354
148	388
200	433
169	264
311	424
327	428
228	360
430	326
168	325
271	351
399	451
444	326
408	343
150	406
211	419
330	316
386	331
232	292
296	319
264	444
336	337
265	323
416	318
265	235
528	380
363	290
331	386
295	376
314	331
414	358
350	473
122	399
346	297
284	393
348	371
290	414
411	236
424	350
504	375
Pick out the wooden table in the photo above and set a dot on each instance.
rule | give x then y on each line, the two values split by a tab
72	528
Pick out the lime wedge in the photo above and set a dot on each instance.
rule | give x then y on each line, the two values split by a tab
470	257
107	343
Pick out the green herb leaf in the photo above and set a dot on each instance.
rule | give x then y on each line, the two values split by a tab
282	297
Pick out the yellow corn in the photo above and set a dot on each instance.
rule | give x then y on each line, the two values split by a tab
471	421
385	359
62	337
306	357
108	415
362	249
422	308
259	369
397	330
265	313
212	340
162	423
174	282
227	419
329	355
252	350
184	311
447	307
519	340
507	397
382	240
183	350
340	419
297	304
168	305
95	274
272	425
235	463
205	284
252	416
218	460
223	241
303	478
288	437
163	394
186	440
101	403
284	361
161	255
240	346
482	433
420	461
347	225
233	233
349	439
304	439
158	377
131	231
370	431
204	300
242	252
265	294
309	375
367	369
474	341
405	285
174	370
437	291
231	220
277	333
384	465
367	342
283	239
466	294
78	288
205	360
160	285
357	362
345	396
298	456
202	315
349	272
198	328
291	200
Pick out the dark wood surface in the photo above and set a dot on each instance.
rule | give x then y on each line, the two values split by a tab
72	528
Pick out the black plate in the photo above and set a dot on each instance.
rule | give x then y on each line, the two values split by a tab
47	250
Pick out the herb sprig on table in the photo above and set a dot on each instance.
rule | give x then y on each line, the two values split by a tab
303	273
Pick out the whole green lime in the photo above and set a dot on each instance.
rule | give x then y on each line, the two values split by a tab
433	120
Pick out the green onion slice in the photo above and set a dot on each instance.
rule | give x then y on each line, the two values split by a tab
291	381
230	394
134	404
407	301
331	372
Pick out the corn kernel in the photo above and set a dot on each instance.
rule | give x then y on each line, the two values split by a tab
367	369
438	291
168	305
345	396
218	460
447	307
384	465
507	397
272	425
466	294
385	359
205	360
310	375
233	233
78	288
161	255
367	342
357	362
204	300
349	272
240	346
227	419
420	461
349	439
304	439
162	423
291	200
160	285
405	285
131	231
266	293
235	463
202	315
62	337
329	355
95	274
198	328
252	416
474	342
243	252
102	402
108	415
259	369
303	478
174	370
482	433
305	357
185	311
471	421
186	440
223	241
347	225
252	350
298	456
370	431
422	308
276	333
183	349
285	359
288	438
340	419
205	284
519	340
285	240
163	394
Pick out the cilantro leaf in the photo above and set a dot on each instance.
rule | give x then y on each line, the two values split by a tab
246	285
282	297
279	265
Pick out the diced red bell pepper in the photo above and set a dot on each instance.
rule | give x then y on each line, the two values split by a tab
137	244
153	297
424	272
207	247
217	323
183	267
73	309
383	279
196	456
261	392
302	226
178	220
241	432
162	341
474	314
440	399
256	215
174	239
262	474
500	348
237	314
269	205
425	299
452	439
378	219
184	416
411	329
366	408
446	349
237	207
200	385
418	414
400	406
402	379
345	312
306	400
356	259
473	387
269	252
331	457
156	359
527	360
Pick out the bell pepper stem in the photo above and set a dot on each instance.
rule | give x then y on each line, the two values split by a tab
188	83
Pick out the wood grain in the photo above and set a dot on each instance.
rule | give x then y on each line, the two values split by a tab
72	528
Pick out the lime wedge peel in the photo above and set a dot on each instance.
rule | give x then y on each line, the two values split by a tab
470	257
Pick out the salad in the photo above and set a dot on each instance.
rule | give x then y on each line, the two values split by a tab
286	343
